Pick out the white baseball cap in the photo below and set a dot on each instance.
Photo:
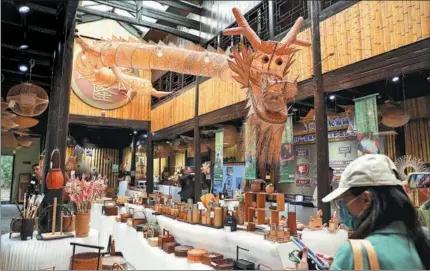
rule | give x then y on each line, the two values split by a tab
366	170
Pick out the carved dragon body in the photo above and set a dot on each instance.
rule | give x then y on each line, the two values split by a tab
103	63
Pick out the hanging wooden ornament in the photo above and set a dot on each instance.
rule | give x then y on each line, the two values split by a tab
395	116
55	178
25	141
25	122
27	99
230	136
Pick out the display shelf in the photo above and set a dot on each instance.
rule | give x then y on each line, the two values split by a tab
260	206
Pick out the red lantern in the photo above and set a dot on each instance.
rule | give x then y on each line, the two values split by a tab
55	178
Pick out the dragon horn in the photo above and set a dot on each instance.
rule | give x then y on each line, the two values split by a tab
88	47
243	29
291	37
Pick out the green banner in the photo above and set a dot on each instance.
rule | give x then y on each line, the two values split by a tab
366	114
287	162
250	149
218	167
366	120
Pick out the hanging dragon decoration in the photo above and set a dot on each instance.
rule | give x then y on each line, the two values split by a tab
263	70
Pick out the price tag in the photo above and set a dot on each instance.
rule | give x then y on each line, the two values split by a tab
212	215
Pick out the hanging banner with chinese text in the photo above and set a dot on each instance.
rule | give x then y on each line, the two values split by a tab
366	121
287	164
250	162
218	167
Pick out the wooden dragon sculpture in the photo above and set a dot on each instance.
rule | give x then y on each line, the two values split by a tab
263	71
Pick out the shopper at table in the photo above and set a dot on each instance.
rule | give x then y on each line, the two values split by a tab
373	203
35	181
187	184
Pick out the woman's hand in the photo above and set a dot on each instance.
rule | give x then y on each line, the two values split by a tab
329	259
303	265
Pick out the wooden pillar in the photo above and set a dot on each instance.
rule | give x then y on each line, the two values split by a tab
197	153
149	162
133	159
323	185
58	114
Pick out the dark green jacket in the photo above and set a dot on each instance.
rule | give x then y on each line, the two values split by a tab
393	248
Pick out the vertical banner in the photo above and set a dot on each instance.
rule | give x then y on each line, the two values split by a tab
366	120
250	147
218	168
287	166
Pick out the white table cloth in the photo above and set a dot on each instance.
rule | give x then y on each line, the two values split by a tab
34	254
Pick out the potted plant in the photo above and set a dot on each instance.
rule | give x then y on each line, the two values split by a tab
69	217
82	193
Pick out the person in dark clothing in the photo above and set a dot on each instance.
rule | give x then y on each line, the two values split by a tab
187	185
34	184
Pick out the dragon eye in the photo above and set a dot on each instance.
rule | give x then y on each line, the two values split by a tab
266	59
279	61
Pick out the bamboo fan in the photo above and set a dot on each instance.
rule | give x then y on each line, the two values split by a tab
410	164
9	141
230	136
25	141
25	122
7	122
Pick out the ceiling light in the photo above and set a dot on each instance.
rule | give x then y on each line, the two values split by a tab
23	68
294	109
24	9
135	132
159	52
145	135
396	79
23	47
332	97
131	134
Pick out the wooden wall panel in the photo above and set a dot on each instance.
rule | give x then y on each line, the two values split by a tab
390	146
174	111
365	30
417	138
215	94
97	160
158	169
419	107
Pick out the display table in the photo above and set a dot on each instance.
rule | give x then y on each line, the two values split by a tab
34	254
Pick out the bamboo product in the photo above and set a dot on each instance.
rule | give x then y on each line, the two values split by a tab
69	223
164	238
169	247
196	255
124	217
86	260
292	223
223	264
196	214
218	219
55	178
110	210
189	215
209	257
153	241
82	224
109	262
182	251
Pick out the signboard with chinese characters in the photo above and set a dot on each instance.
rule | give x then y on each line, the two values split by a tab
98	96
366	118
287	166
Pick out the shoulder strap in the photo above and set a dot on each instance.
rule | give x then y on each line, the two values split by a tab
357	253
371	254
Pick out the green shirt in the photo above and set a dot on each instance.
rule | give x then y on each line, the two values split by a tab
393	248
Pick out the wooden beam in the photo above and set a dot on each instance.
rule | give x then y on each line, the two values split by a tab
133	161
23	73
32	28
149	162
111	122
125	19
27	59
321	130
30	51
42	9
184	5
197	153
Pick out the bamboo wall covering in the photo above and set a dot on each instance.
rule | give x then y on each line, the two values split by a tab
364	30
99	160
417	138
390	146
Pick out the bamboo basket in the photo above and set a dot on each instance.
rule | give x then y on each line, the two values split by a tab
86	260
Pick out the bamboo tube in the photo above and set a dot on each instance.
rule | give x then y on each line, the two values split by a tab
54	215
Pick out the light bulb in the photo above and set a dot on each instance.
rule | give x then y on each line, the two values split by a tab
24	9
84	57
395	78
23	68
332	97
159	52
23	47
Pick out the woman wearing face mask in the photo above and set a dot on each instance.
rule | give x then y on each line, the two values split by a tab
373	203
